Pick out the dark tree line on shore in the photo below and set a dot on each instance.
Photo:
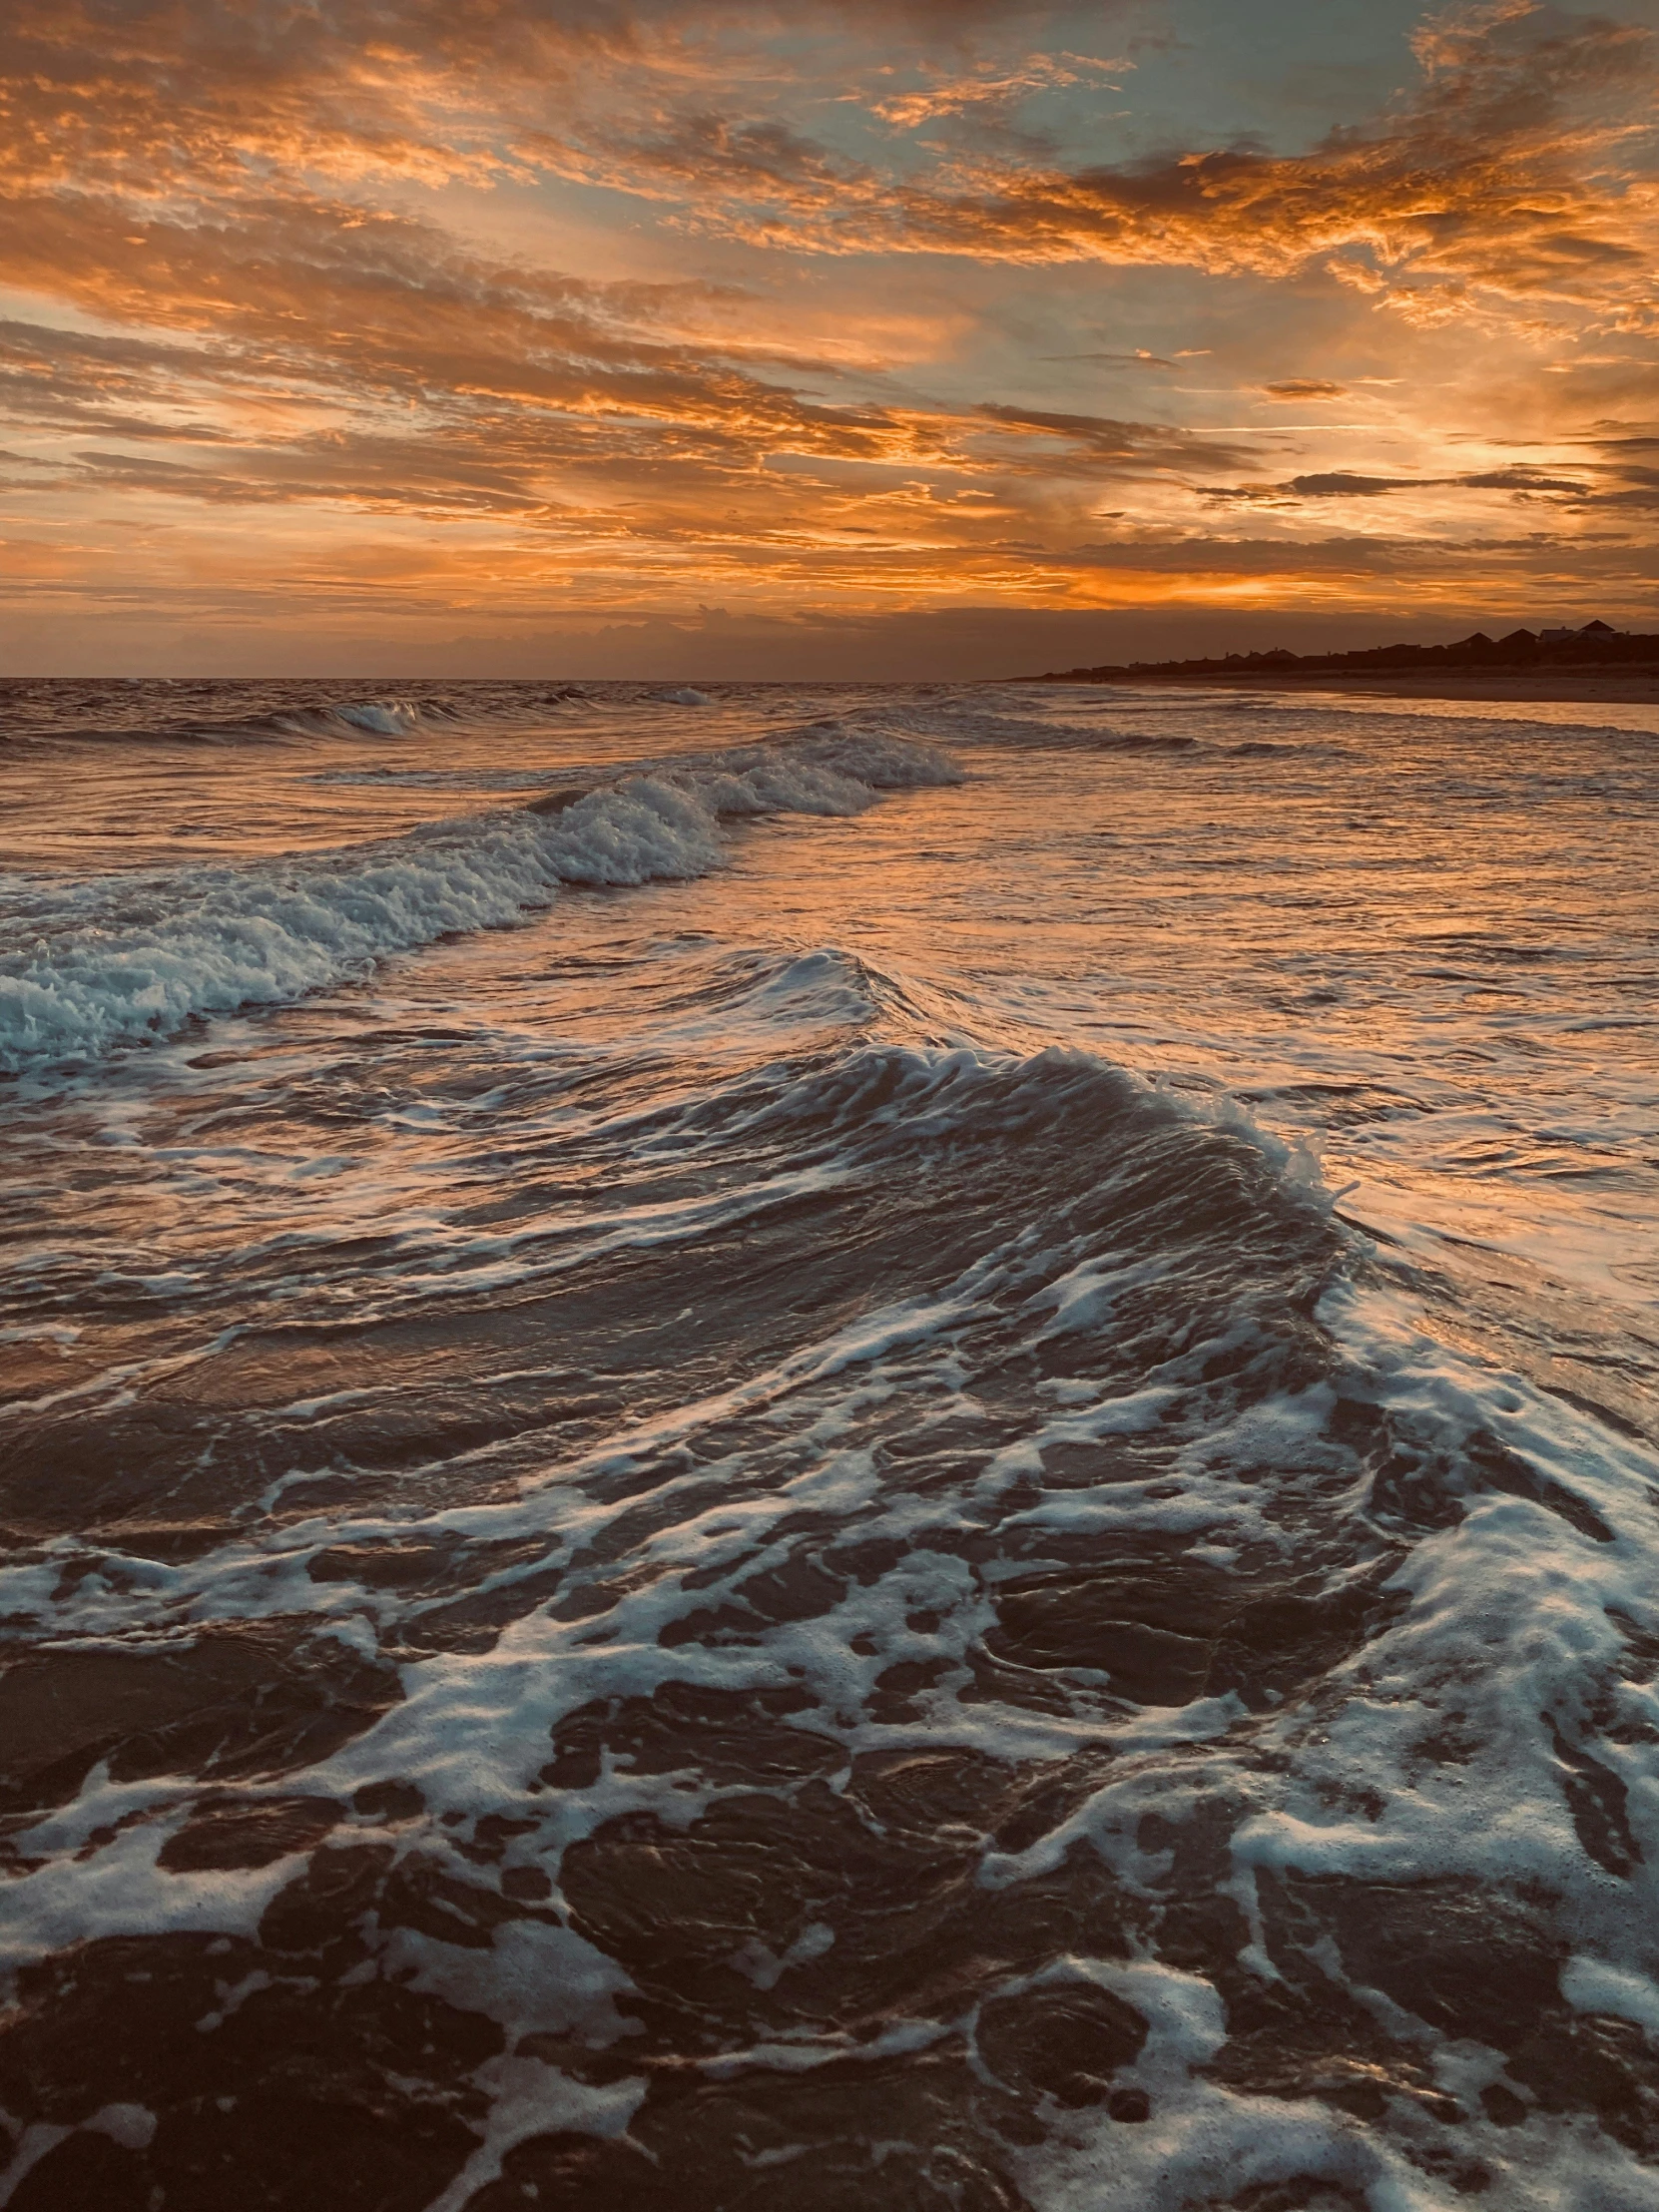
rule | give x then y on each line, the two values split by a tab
1595	646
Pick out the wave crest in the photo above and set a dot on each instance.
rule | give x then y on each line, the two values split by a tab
120	961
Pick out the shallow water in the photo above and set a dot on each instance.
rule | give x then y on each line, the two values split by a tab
826	1447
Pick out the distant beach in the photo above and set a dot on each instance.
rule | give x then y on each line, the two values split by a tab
1626	686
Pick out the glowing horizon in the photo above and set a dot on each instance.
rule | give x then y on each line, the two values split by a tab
572	337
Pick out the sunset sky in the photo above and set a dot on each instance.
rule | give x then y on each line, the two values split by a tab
887	337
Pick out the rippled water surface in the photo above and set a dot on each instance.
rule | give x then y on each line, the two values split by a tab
828	1448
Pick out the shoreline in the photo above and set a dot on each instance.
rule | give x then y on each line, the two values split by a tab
1636	688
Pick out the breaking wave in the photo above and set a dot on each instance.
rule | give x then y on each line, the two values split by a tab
194	714
992	1664
114	962
699	1567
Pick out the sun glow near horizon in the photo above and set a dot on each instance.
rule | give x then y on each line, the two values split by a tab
575	335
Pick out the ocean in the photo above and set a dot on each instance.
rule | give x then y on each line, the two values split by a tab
827	1448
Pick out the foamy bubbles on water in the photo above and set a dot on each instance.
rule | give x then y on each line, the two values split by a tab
117	961
697	1559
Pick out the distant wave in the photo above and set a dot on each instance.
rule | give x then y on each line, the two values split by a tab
969	721
207	713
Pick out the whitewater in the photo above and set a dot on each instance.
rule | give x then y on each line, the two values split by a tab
827	1446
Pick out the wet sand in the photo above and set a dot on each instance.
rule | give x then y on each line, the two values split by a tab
1637	687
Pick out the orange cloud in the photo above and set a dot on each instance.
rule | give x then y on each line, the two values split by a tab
256	238
1506	175
987	89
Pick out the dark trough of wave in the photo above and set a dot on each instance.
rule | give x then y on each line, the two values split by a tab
849	1879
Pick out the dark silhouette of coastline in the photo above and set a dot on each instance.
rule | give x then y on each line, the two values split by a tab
1555	652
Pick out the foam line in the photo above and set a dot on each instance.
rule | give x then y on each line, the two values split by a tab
116	961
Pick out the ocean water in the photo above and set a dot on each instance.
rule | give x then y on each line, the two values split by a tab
827	1448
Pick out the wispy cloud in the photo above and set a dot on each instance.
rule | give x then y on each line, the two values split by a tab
1001	92
1352	484
1506	173
294	261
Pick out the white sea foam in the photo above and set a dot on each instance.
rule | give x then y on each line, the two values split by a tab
393	719
857	1278
116	960
1508	1619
